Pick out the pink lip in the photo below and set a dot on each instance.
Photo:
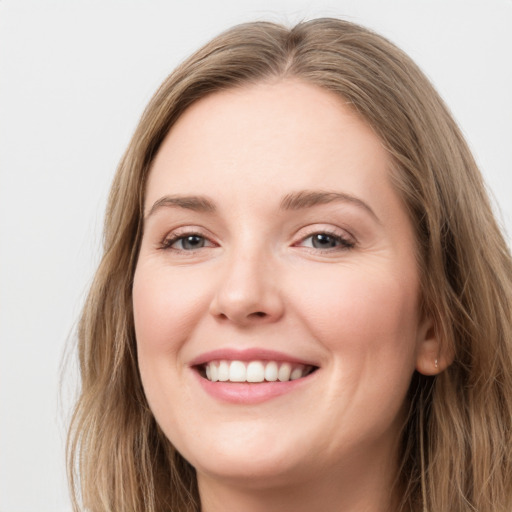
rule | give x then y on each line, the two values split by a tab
251	354
250	393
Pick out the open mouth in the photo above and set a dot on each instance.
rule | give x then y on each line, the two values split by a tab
253	371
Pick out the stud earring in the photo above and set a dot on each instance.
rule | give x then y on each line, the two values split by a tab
436	363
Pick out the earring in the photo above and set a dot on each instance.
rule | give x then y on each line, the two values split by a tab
436	363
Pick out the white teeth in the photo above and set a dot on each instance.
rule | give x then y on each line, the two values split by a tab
237	371
296	374
271	371
254	371
285	371
214	372
223	371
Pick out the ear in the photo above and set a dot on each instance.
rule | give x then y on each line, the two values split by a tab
432	355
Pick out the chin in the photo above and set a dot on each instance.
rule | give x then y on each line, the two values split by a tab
249	462
243	471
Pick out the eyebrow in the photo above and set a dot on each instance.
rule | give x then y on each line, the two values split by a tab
294	201
309	198
195	203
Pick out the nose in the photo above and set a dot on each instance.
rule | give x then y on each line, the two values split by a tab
248	291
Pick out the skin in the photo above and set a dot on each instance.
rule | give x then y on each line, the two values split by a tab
261	280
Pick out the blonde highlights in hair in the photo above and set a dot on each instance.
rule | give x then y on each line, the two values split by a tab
456	450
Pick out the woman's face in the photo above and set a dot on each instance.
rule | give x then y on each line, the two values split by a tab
275	247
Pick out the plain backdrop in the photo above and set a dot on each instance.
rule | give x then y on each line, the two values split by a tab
74	78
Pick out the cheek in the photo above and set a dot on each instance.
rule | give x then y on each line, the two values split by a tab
365	315
368	323
167	307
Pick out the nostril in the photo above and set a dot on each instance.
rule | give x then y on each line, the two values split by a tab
260	314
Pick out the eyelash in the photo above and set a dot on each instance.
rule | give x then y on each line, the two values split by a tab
344	242
169	241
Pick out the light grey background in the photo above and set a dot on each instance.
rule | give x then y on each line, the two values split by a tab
74	78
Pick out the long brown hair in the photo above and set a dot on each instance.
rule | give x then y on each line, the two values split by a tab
456	451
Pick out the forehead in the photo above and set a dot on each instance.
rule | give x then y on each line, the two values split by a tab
276	136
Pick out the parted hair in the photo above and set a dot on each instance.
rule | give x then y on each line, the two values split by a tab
456	444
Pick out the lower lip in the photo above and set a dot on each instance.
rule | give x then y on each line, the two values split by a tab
249	392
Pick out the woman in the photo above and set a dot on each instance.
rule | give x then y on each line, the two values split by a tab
304	302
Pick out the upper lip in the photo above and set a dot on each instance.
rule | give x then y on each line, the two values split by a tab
250	354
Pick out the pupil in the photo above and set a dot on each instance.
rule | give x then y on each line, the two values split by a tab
321	241
193	242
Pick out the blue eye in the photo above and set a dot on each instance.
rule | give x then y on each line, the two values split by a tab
187	242
323	241
327	241
191	242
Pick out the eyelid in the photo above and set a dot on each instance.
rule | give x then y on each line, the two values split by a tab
183	232
347	239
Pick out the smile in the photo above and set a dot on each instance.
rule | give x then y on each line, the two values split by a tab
254	371
253	375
